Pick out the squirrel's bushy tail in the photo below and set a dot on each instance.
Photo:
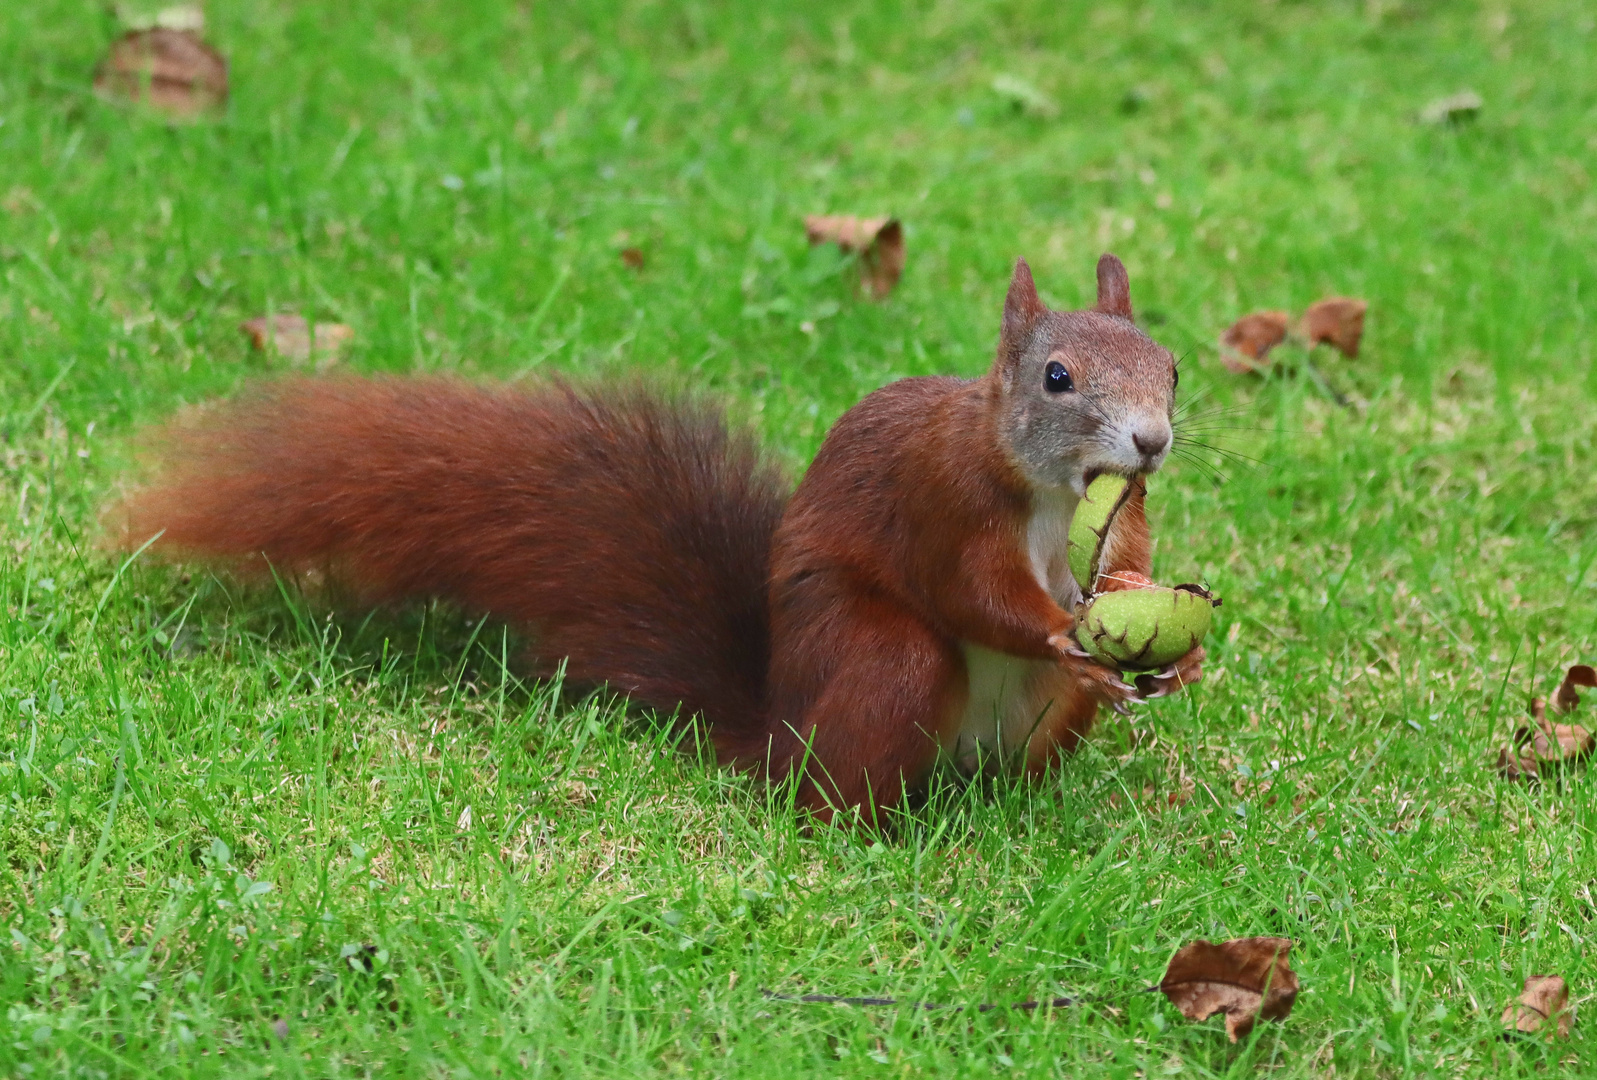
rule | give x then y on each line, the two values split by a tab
630	535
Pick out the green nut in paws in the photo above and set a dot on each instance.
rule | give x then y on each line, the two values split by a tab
1143	629
1090	525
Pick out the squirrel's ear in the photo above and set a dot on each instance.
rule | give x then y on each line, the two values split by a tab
1022	305
1114	287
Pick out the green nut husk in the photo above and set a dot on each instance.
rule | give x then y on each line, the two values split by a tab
1090	525
1145	628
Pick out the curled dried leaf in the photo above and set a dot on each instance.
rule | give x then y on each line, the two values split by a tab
1567	696
1337	321
879	242
1545	998
1543	747
172	70
294	338
632	257
1246	343
1244	978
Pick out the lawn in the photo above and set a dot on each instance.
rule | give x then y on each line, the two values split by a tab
247	835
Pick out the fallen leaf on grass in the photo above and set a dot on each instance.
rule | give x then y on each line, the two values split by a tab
1546	747
1543	749
632	257
1024	96
1566	697
1244	978
172	70
1246	343
296	340
1337	321
879	241
1545	997
1464	105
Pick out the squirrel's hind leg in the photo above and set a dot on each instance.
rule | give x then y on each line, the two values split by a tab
873	695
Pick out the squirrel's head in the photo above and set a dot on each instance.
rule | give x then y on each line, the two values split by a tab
1081	392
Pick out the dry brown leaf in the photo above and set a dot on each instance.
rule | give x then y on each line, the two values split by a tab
632	257
1244	978
1246	343
1545	997
172	70
296	340
1337	321
879	241
1567	696
1543	746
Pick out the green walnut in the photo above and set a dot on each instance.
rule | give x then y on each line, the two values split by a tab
1090	525
1145	628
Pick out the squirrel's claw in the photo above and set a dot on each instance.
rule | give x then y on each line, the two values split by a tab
1175	678
1108	684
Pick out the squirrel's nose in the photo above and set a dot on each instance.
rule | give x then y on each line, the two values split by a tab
1150	444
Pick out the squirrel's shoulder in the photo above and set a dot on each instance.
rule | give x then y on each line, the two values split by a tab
901	437
916	388
906	403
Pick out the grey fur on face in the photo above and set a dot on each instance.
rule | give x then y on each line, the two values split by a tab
1115	414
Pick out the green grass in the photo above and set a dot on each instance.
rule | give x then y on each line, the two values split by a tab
219	810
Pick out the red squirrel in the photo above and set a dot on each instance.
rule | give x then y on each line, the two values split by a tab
910	601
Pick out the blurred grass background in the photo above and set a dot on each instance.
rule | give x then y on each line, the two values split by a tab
245	836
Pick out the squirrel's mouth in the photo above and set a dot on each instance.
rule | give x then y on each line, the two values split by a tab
1092	474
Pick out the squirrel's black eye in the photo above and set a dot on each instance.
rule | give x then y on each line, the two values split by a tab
1055	379
1175	379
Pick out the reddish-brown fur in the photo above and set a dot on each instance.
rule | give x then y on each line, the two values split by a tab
904	540
648	546
629	536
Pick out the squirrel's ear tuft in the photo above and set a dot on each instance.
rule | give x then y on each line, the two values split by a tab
1114	287
1022	305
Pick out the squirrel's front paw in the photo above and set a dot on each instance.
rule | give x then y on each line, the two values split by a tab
1183	673
1103	682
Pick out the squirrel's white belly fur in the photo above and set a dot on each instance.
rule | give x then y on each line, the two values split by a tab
1009	695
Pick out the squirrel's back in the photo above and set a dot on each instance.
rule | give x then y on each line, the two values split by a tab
629	535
